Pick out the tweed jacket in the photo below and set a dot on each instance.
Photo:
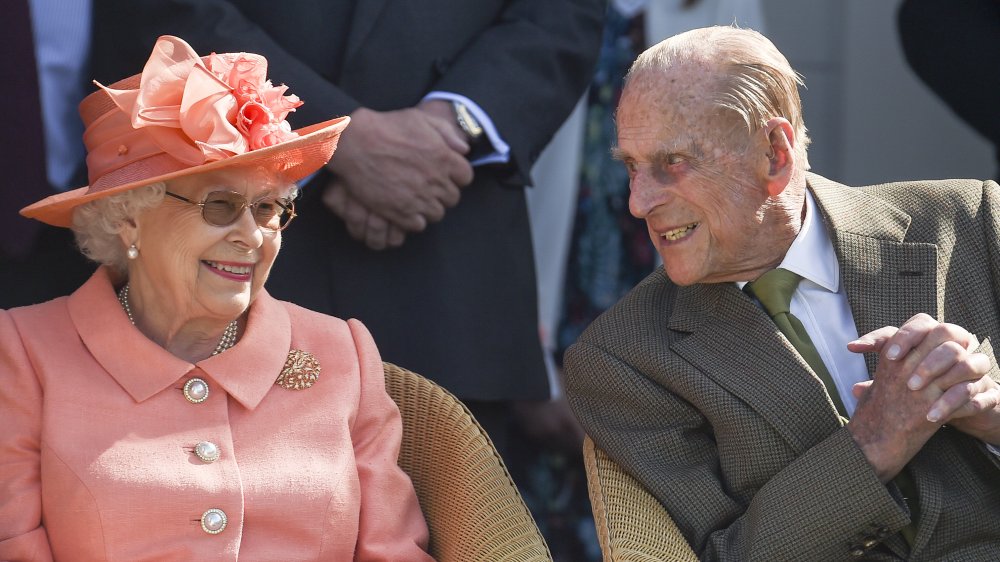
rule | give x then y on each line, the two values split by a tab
695	392
97	439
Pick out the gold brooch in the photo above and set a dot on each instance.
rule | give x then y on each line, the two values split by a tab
301	371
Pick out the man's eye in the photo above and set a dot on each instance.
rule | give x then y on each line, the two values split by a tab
674	159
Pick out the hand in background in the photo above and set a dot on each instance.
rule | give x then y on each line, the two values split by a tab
362	224
406	167
897	413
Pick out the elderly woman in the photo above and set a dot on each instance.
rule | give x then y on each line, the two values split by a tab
170	409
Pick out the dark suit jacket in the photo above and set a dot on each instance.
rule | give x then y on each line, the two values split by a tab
456	302
696	394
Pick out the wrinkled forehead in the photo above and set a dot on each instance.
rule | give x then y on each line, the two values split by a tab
676	104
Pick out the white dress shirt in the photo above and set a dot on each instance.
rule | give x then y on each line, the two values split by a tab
820	303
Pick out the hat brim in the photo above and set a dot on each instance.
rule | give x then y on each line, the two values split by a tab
293	160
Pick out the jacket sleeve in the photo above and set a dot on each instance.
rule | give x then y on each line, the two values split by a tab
391	525
813	508
22	536
528	71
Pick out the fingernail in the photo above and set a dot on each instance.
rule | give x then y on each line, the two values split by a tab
893	351
934	415
914	382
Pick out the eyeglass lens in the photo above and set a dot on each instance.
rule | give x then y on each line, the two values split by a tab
222	208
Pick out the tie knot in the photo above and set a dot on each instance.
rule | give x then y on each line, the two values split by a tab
774	290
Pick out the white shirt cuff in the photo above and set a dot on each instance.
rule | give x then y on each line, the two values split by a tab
501	150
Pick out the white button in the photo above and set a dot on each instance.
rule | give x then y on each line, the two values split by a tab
207	451
196	391
214	521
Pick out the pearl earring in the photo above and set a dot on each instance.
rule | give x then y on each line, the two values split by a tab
132	252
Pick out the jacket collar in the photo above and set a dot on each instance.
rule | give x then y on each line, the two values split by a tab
246	371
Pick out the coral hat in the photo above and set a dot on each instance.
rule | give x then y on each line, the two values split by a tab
187	115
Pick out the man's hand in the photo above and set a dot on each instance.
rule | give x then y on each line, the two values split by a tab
405	166
362	224
927	375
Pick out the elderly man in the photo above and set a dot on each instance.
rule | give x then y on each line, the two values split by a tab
805	430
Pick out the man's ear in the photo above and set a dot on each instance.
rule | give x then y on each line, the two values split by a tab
780	154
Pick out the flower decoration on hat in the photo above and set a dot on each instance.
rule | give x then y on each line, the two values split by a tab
201	110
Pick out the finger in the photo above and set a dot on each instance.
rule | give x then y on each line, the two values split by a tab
450	195
873	341
910	335
941	348
978	404
451	135
434	211
460	171
963	400
409	223
334	197
948	364
395	237
355	218
376	232
859	389
938	361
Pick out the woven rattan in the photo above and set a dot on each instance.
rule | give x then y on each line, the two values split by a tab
631	524
472	508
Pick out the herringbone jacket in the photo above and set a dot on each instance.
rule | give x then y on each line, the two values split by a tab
696	394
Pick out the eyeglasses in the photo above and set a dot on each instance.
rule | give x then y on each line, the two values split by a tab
223	208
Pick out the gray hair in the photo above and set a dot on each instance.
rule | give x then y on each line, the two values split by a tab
97	224
755	81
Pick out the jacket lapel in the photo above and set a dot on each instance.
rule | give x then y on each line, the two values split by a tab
887	280
769	375
366	13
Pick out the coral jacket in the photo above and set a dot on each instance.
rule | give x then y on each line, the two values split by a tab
97	441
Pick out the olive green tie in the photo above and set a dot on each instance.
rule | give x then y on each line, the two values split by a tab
774	290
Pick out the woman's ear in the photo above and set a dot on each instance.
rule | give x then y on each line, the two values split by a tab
129	233
780	154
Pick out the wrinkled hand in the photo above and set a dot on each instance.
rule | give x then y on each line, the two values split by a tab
927	375
362	224
405	166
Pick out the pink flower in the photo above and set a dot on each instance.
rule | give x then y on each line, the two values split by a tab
199	111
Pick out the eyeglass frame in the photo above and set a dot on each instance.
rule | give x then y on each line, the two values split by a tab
289	208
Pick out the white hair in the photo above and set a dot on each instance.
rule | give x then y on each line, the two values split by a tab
755	81
97	224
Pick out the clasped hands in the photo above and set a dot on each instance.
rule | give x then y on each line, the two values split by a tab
397	171
929	374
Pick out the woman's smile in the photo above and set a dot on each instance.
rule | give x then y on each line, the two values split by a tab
231	270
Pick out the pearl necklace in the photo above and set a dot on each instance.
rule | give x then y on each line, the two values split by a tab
228	336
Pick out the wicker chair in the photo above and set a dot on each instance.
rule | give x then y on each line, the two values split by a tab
472	508
631	524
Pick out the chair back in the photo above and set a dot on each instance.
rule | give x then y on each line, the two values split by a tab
471	505
632	525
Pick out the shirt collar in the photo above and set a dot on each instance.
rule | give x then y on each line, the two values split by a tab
247	371
811	254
